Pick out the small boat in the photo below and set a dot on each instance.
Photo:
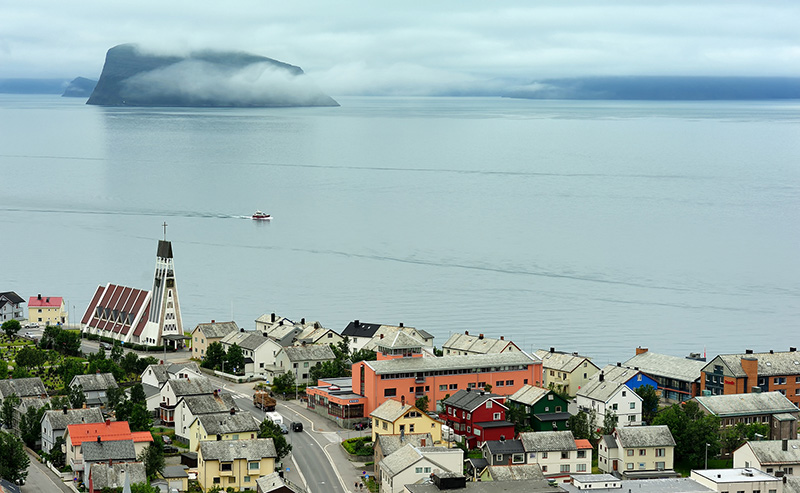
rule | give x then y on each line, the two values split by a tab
260	216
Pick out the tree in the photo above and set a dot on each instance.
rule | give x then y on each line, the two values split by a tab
14	461
649	402
106	366
137	394
143	363
7	410
11	327
442	405
140	418
284	383
268	429
30	427
487	387
153	458
215	355
422	404
735	436
129	363
124	410
517	415
66	342
69	369
20	372
31	356
610	421
3	370
692	430
363	355
76	396
114	396
59	402
234	360
117	352
56	456
582	424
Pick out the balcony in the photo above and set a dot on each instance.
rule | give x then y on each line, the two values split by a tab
419	380
76	464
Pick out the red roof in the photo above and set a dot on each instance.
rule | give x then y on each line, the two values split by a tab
141	436
583	444
118	308
107	431
46	301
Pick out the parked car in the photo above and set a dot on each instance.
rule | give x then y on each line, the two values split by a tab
297	426
32	325
170	449
106	345
166	439
284	428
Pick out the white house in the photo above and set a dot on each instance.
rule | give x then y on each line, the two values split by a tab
638	452
557	453
366	336
770	456
176	388
604	396
747	480
192	406
464	344
300	359
55	422
413	464
259	351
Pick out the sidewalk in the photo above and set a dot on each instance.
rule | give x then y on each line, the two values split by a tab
350	472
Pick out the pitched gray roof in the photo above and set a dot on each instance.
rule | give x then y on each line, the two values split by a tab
401	340
193	386
603	390
403	365
95	381
217	330
518	472
560	361
160	372
313	352
391	443
34	402
771	452
221	424
744	404
23	387
113	476
475	343
175	472
107	450
504	446
547	441
390	410
616	373
229	450
645	436
175	368
664	365
526	486
60	421
469	401
272	482
209	404
528	395
769	364
150	391
401	459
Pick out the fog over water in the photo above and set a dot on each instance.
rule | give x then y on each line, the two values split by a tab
588	226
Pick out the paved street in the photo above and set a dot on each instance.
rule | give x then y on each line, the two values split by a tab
40	478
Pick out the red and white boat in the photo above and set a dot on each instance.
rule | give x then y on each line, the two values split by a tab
261	216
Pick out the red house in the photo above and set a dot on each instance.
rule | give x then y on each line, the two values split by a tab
478	416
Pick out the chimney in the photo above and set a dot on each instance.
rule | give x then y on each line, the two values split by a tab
213	321
480	336
552	350
641	350
784	445
216	393
356	323
381	336
48	299
421	442
466	332
502	338
110	462
219	437
401	324
509	462
792	349
64	409
161	362
748	351
469	389
303	321
619	365
271	317
602	376
502	438
39	297
99	440
108	422
233	411
771	351
403	400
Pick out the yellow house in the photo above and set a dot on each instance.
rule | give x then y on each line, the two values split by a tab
205	334
396	417
47	310
221	427
236	465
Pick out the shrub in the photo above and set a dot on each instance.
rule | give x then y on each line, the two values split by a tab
361	446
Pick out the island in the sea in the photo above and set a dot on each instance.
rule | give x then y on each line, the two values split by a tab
134	77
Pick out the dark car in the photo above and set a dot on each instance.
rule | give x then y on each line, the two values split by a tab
297	426
170	449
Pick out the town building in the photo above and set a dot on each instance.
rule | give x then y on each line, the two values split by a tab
288	333
557	453
334	399
148	318
259	352
190	407
608	396
107	452
772	371
108	431
300	359
606	483
412	464
172	391
515	473
274	483
232	426
770	456
24	388
395	417
47	310
747	480
634	378
95	387
638	452
464	344
678	379
565	373
366	336
10	306
177	478
544	409
206	334
235	464
504	452
770	408
157	375
385	445
55	422
115	475
438	378
477	416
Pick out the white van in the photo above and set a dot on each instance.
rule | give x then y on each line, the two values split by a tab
275	417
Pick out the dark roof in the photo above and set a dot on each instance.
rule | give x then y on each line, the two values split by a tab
112	476
216	330
12	297
209	403
60	421
391	443
552	416
175	472
469	400
494	424
23	387
95	381
358	329
94	451
504	446
228	450
164	249
194	386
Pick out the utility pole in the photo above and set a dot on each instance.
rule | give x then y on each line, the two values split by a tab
707	445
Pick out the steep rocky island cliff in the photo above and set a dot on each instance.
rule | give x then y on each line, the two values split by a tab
134	77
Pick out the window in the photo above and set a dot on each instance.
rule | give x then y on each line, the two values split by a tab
389	392
552	373
509	383
418	470
453	386
411	428
216	480
565	454
235	437
581	468
633	405
426	470
469	429
614	407
779	381
305	365
443	387
544	455
226	466
253	466
558	409
402	428
581	454
630	453
624	393
549	397
518	458
488	404
564	467
641	465
498	383
660	466
642	451
469	415
544	468
660	452
247	479
547	409
631	417
496	417
385	425
477	431
498	458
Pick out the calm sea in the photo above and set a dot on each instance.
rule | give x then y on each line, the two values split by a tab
588	226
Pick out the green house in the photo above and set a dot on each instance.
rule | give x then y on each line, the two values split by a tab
544	410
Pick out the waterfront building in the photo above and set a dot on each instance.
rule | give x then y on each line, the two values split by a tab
367	336
678	379
10	306
464	344
638	452
47	310
609	396
206	334
770	408
477	416
544	409
566	373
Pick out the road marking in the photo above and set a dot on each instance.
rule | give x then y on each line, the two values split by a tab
332	437
291	458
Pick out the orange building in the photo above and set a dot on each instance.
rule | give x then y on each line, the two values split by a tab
402	371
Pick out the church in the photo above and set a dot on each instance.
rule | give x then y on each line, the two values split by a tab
136	316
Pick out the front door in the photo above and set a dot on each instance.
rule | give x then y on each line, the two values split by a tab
615	465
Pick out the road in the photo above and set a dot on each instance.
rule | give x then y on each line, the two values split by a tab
40	478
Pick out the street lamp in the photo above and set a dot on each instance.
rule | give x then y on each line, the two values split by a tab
707	445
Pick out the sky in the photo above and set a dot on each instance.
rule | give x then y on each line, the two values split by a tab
416	47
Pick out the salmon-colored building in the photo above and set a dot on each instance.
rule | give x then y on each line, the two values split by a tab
402	371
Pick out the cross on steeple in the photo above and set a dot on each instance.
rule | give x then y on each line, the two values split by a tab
165	230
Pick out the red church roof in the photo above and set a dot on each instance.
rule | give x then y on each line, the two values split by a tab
115	308
45	301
